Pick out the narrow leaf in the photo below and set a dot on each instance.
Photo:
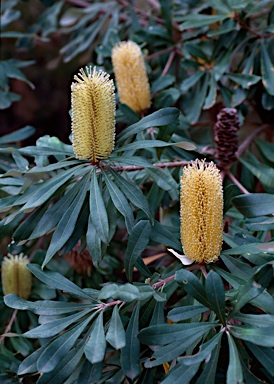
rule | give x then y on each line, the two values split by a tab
116	335
164	116
130	354
56	280
96	346
132	192
234	372
192	286
259	336
98	211
120	201
52	328
181	371
137	242
59	347
216	295
186	312
267	69
205	351
264	355
93	244
67	223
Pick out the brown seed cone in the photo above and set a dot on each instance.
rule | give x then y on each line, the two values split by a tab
80	261
226	136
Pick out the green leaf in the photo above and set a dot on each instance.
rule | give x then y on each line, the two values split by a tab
52	167
245	81
168	333
252	288
130	354
93	243
132	192
164	116
234	372
209	372
162	235
212	94
116	335
137	161
96	346
56	280
263	321
264	355
259	336
90	373
53	327
204	352
40	150
126	292
266	149
67	223
24	230
59	347
197	99
198	20
64	369
191	80
216	295
162	82
29	365
137	243
162	178
98	211
120	201
45	191
55	213
254	204
192	286
267	69
186	312
20	134
143	144
172	350
43	307
181	371
262	171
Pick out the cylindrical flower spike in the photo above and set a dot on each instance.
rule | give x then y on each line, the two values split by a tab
131	75
201	210
93	115
16	278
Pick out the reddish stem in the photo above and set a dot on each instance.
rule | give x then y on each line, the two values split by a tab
8	327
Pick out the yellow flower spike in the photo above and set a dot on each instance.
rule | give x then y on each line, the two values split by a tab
201	211
16	278
93	115
131	76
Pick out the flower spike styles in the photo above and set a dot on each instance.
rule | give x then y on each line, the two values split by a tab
16	278
93	115
201	211
131	76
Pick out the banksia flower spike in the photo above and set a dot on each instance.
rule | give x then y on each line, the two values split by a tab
226	136
131	76
16	278
93	115
201	211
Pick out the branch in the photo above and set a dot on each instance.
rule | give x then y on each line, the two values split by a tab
8	327
236	182
245	144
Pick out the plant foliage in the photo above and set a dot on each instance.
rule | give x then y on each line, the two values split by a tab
110	303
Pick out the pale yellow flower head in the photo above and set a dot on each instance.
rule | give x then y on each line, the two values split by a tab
201	210
131	75
16	278
93	115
